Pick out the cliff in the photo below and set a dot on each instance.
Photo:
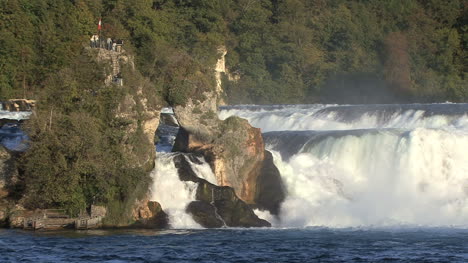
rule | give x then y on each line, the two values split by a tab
233	148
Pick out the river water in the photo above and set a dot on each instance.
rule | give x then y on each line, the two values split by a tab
238	245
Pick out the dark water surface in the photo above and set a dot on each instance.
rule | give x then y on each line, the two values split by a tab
237	245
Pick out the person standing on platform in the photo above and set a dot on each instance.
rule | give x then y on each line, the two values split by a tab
109	43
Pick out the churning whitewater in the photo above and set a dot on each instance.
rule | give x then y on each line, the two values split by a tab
367	165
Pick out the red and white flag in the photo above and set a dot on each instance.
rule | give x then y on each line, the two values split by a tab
99	25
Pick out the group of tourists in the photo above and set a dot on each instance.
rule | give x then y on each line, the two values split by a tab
109	43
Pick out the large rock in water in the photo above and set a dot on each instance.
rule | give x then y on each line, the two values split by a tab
237	157
149	214
233	148
233	211
216	206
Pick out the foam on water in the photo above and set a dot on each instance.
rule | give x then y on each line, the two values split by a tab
202	169
173	195
382	179
348	117
15	115
375	166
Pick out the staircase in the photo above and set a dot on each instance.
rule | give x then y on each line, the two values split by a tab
115	63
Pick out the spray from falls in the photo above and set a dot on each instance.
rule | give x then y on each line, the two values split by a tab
173	194
376	166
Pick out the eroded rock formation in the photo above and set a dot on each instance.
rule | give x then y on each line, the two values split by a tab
216	206
236	153
233	148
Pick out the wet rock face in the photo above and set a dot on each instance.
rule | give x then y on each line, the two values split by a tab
233	211
235	152
270	188
216	206
204	214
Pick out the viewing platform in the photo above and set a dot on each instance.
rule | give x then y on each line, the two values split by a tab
56	219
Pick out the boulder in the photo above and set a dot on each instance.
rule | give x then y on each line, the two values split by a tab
149	214
226	207
233	148
215	206
204	214
235	152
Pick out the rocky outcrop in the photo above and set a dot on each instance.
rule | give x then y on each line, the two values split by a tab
141	124
149	214
220	69
216	206
98	211
228	209
140	115
233	148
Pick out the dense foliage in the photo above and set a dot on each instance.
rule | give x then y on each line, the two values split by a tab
284	51
349	51
279	51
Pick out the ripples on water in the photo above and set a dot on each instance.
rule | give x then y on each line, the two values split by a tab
237	245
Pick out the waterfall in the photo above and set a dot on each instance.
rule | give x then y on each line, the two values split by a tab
372	165
173	195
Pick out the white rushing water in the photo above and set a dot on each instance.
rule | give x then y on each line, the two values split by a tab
173	194
349	117
15	115
374	166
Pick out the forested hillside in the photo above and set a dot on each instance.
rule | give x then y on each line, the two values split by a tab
284	51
